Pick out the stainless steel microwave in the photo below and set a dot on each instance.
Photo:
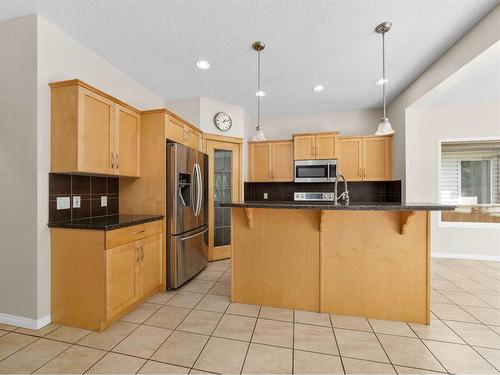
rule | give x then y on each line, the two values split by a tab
315	170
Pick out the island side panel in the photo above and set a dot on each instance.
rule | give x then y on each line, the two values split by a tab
370	269
276	263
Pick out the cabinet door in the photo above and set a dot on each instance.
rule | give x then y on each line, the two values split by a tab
326	146
176	131
127	144
150	254
122	264
377	158
350	161
95	128
282	161
260	162
304	147
193	138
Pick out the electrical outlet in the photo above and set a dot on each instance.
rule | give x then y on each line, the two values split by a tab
76	201
265	195
62	203
104	201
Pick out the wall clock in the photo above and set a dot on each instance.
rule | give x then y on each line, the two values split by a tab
223	121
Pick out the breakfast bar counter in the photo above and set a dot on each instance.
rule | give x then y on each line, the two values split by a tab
370	259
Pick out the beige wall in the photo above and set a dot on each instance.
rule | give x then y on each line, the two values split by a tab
18	163
478	39
360	122
426	127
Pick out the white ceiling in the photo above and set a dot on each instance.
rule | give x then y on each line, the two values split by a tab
328	42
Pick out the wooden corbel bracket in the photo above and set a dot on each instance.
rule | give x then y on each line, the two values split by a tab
404	217
249	212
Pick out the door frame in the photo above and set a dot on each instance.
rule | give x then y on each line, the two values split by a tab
212	142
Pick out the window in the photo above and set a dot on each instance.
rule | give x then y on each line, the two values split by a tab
475	181
470	179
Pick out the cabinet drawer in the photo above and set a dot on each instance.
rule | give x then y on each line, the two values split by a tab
125	235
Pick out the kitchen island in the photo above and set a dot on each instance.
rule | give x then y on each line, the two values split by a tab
369	260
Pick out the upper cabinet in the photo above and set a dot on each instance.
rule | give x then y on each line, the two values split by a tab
271	161
315	146
366	158
181	131
92	132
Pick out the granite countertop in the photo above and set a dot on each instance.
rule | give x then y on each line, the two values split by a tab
353	206
105	222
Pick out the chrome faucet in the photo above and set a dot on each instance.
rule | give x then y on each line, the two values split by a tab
345	195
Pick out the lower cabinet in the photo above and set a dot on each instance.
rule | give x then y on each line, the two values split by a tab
98	276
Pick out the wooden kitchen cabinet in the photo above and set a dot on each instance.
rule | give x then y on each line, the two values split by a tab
121	273
98	276
282	161
128	148
259	161
150	264
304	147
315	146
366	158
92	132
350	163
271	161
180	131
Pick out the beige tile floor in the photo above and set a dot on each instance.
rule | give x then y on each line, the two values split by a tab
197	330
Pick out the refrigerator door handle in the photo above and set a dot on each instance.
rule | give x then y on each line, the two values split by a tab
194	183
195	235
200	190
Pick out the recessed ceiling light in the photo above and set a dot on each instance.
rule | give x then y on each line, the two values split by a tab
202	64
381	81
318	88
260	93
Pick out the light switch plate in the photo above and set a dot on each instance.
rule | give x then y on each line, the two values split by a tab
76	201
104	201
62	203
265	195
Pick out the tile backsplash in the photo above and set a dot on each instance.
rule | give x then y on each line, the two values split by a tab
90	189
359	191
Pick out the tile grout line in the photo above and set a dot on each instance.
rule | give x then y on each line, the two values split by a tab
470	346
337	343
173	330
251	338
423	343
382	346
210	336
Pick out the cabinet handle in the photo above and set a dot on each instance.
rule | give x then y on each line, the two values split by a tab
138	254
364	172
359	173
142	251
117	161
112	160
138	232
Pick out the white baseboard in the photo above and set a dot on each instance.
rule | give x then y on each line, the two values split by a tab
21	321
495	258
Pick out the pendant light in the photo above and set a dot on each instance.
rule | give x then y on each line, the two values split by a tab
259	133
384	126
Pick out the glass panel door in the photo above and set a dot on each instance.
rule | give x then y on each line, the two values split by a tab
223	161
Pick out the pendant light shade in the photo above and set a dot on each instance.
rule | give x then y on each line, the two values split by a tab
259	133
384	126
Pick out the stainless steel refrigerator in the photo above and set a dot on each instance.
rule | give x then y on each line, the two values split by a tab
187	213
